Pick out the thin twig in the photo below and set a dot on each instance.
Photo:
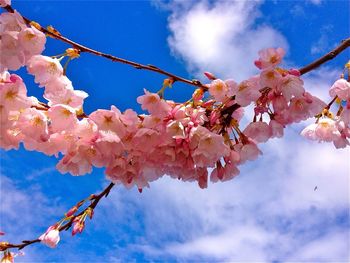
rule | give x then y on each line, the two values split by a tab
330	55
136	65
96	199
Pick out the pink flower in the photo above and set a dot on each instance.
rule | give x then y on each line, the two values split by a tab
45	69
32	41
248	91
248	151
259	131
209	75
5	2
13	93
51	237
269	57
291	86
340	88
325	130
198	95
218	89
33	126
109	120
276	129
62	118
76	162
12	57
78	226
211	147
154	104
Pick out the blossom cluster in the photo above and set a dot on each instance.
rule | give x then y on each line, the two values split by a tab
18	41
181	140
331	127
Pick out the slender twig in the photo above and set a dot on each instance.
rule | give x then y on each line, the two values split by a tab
136	65
330	55
96	199
313	65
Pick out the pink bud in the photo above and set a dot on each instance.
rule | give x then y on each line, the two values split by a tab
8	257
209	75
294	72
71	211
78	226
51	237
258	64
197	94
208	103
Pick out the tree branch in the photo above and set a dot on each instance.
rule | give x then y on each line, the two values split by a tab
55	34
96	199
136	65
329	56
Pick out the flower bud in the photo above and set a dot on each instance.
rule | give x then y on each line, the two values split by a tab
209	75
197	94
78	227
7	258
71	211
51	237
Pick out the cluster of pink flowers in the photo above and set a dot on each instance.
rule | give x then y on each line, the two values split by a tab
18	41
330	127
181	140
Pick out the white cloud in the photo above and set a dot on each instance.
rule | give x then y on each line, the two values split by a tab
220	37
269	212
315	2
323	44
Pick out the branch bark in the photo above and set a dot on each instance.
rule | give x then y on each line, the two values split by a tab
136	65
96	199
313	65
329	56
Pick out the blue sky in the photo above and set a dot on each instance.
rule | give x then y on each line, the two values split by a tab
270	212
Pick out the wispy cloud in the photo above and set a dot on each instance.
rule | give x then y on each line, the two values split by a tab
269	212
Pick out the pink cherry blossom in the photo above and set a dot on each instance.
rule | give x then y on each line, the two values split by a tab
13	92
19	42
218	89
276	129
324	130
258	131
269	57
51	237
291	86
32	41
12	57
247	151
5	2
45	69
248	91
340	88
62	118
154	104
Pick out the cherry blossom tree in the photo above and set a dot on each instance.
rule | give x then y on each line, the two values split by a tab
197	140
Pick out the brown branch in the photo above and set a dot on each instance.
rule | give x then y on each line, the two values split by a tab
96	199
55	34
136	65
329	56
